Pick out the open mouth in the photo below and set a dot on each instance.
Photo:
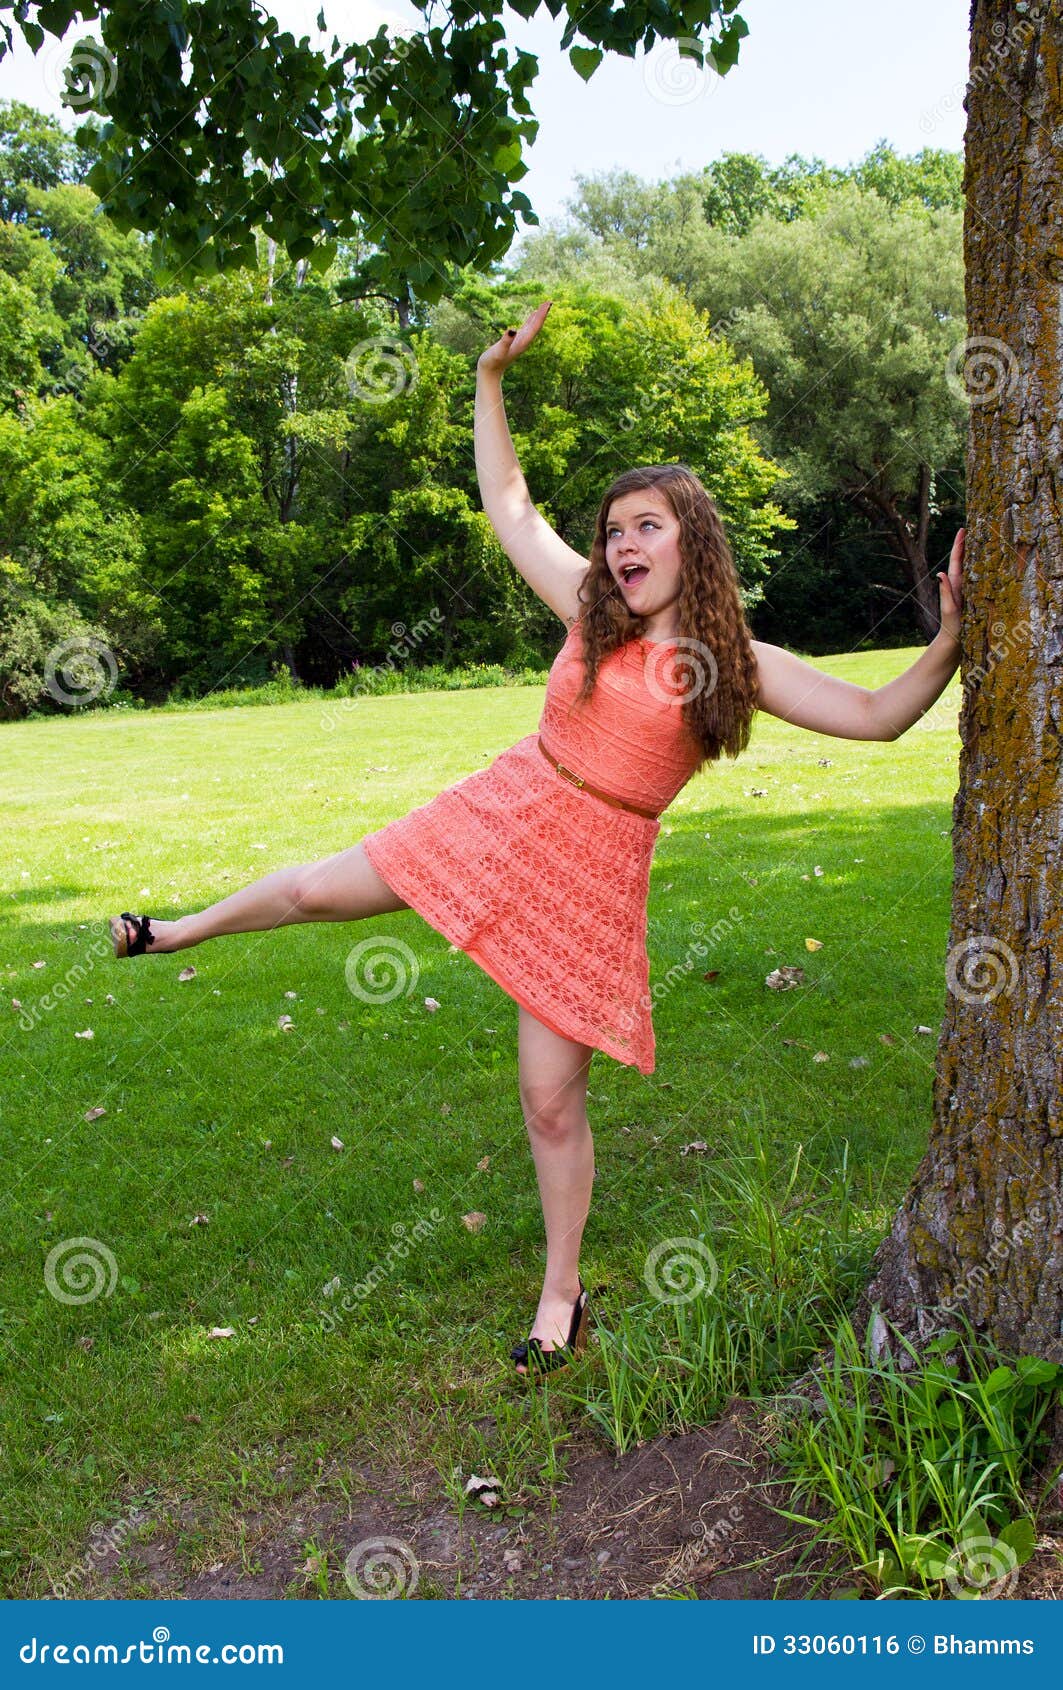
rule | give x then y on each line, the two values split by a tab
633	572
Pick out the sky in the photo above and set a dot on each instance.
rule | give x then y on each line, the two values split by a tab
825	78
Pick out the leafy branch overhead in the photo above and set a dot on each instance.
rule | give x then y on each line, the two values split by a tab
216	123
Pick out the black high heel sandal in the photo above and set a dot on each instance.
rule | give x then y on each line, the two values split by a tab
143	936
531	1354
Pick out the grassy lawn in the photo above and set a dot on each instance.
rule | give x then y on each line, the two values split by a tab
211	1182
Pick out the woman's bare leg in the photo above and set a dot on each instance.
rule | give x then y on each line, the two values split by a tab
344	887
553	1091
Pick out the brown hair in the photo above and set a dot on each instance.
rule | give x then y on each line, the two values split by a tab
719	711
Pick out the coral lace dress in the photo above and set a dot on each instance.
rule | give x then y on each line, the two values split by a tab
539	881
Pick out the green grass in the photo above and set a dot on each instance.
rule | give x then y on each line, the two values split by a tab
928	1482
212	1109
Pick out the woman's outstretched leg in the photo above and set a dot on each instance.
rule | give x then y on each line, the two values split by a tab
553	1092
344	887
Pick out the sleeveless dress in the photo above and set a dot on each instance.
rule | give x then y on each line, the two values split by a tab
542	884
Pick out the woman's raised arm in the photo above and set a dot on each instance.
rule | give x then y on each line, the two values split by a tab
552	569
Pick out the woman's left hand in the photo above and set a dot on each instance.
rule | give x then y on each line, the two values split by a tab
951	594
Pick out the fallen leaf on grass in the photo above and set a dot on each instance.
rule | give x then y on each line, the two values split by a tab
924	1029
474	1220
887	1039
813	944
859	1062
87	1034
285	1023
188	973
222	1332
39	965
713	974
418	1185
200	1220
698	1145
84	1343
784	978
430	1003
94	1114
336	1143
821	1056
483	1164
485	1490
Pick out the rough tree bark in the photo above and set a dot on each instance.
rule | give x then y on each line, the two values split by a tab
980	1228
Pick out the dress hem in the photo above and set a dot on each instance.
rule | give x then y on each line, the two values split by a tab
491	969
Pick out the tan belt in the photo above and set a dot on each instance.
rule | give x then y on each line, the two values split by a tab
577	780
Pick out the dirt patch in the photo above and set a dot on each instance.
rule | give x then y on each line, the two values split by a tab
687	1515
684	1515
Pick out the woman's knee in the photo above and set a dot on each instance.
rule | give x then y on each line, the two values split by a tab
343	887
310	893
554	1115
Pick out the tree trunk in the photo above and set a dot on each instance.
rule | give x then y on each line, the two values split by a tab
980	1228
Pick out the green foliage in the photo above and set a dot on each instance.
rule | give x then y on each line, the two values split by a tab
920	1469
35	152
36	639
220	124
743	1301
264	469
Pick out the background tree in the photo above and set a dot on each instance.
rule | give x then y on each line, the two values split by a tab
849	301
36	152
850	318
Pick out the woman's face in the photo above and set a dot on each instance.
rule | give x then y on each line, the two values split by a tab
642	550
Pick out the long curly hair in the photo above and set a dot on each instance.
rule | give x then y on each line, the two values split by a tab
714	639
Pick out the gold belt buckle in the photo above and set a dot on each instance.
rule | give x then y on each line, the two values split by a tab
577	780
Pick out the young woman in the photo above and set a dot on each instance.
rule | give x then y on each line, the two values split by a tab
538	866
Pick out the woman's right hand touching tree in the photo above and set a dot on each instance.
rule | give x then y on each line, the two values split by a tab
508	349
